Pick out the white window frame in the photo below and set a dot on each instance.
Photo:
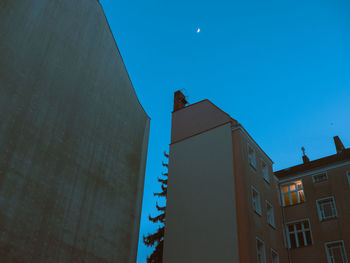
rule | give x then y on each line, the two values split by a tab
267	174
256	204
318	174
295	232
292	191
263	250
320	214
271	223
329	259
348	176
272	253
252	159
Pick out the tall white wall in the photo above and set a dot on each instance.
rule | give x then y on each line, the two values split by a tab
73	137
201	223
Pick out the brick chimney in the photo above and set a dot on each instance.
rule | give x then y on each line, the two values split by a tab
338	144
179	100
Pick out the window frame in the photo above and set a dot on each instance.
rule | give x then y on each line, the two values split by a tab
320	217
276	253
321	173
273	223
348	176
259	211
263	249
329	260
295	231
266	176
290	192
249	158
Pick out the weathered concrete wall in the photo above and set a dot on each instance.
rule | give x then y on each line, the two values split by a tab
73	137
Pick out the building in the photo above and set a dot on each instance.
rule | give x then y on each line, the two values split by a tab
225	204
220	190
73	137
315	198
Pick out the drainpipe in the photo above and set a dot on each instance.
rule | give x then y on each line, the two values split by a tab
284	227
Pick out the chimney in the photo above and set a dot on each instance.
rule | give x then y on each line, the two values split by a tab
338	144
305	158
179	100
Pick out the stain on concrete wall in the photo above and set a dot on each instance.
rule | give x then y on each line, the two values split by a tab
73	137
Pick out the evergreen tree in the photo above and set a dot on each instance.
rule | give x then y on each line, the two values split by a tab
157	239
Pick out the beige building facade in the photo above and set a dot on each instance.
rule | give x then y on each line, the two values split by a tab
225	203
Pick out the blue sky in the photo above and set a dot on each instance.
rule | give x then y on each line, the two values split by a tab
282	69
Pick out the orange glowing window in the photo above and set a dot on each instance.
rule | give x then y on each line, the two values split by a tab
293	193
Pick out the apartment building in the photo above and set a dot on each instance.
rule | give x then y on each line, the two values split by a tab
222	203
225	204
315	197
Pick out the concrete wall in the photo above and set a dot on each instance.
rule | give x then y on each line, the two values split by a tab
201	209
73	137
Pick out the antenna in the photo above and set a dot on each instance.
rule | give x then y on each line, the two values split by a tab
305	158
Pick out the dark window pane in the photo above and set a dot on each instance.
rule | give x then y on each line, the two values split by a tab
337	254
301	239
293	243
308	237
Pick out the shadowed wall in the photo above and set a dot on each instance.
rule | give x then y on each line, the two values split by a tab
73	137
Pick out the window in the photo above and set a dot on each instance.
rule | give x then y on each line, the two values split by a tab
274	256
265	171
293	193
251	156
269	214
317	178
260	251
326	208
256	201
348	175
299	234
336	252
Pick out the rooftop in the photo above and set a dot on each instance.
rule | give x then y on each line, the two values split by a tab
335	158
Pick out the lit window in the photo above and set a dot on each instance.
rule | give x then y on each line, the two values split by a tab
336	252
293	193
260	251
326	208
274	256
256	201
317	178
299	234
251	156
269	214
348	175
265	171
